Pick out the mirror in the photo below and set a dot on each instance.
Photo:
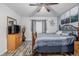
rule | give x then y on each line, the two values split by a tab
11	21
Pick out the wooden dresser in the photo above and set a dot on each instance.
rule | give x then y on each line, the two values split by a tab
76	44
13	42
76	48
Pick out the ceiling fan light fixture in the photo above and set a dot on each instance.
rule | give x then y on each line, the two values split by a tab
43	7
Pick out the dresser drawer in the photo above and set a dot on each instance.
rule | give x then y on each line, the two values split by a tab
76	53
76	50
76	47
76	43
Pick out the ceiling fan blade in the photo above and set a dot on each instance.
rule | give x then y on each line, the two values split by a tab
38	10
52	10
51	3
35	11
47	9
36	4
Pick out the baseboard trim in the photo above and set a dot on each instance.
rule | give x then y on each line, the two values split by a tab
1	54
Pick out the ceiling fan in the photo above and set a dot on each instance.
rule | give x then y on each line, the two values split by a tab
38	4
44	5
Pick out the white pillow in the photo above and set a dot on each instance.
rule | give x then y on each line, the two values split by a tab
65	34
59	32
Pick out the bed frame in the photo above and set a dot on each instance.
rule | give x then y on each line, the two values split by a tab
33	42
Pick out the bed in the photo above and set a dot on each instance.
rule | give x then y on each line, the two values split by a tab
50	43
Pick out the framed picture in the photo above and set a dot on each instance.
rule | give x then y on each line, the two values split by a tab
52	22
67	20
74	18
62	21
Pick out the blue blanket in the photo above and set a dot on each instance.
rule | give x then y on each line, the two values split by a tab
53	40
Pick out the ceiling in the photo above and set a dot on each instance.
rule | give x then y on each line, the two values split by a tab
23	9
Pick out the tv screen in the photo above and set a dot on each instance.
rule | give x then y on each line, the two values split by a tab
14	29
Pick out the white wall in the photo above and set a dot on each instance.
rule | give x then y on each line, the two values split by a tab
4	12
27	23
52	28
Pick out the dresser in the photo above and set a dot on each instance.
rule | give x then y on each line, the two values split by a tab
76	48
76	44
14	41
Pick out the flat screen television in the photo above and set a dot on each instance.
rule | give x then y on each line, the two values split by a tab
14	29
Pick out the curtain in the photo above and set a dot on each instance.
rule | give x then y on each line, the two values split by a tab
44	26
33	26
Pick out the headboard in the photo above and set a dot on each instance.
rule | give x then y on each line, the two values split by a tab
68	28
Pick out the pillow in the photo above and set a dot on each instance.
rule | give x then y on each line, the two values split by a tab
75	33
65	34
59	32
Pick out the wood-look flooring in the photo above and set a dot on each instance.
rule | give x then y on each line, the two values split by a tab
26	50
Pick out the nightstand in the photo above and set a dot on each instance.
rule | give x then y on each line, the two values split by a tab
76	48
